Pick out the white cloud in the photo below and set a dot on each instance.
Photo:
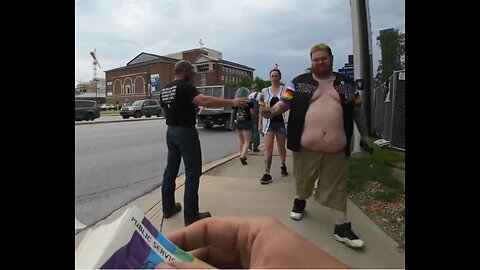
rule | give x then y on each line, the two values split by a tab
251	32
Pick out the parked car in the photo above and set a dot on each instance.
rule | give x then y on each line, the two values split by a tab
147	107
86	110
105	107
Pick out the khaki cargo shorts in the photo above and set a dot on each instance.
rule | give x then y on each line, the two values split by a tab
331	170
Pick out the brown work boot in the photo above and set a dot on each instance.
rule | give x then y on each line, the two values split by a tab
200	216
170	213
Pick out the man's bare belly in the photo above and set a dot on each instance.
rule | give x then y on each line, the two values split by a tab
323	130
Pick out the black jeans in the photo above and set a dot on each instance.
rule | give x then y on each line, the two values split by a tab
182	142
255	134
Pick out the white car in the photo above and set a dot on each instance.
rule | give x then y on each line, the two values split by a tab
105	107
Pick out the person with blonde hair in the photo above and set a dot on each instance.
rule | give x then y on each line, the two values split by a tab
323	106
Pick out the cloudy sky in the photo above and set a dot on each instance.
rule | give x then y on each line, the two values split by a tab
256	33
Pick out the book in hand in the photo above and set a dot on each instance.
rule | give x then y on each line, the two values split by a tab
129	242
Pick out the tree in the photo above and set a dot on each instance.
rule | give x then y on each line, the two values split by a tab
392	44
261	83
247	82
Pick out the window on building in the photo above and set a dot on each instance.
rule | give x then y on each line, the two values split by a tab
127	89
203	68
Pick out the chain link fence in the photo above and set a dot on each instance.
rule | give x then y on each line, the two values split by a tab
389	110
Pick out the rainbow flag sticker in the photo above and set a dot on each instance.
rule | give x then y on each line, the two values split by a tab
261	99
287	95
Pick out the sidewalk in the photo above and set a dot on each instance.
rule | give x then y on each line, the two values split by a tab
228	188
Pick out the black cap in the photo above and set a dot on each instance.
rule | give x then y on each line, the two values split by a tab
183	65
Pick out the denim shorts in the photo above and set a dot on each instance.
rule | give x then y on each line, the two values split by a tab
243	125
277	127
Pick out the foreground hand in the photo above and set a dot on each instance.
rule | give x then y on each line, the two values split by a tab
240	102
248	243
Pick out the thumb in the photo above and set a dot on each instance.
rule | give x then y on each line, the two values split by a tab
183	265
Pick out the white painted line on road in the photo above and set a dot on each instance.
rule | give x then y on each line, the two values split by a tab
79	225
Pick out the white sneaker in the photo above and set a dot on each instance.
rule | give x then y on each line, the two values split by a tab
297	210
344	234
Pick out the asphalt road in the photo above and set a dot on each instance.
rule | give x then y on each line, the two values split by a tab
118	162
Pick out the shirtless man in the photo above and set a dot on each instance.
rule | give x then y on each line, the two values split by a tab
323	105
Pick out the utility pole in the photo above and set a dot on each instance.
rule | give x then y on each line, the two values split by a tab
148	92
362	59
150	80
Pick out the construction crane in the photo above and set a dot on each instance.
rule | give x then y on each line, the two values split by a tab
95	64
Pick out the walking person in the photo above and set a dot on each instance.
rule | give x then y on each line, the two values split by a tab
274	128
323	106
242	117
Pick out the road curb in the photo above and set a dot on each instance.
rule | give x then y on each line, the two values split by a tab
151	204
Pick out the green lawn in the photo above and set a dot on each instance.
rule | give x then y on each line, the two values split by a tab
377	167
109	112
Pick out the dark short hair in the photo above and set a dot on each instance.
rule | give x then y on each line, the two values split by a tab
277	70
183	65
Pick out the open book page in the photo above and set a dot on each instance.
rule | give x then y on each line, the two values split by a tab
137	244
95	244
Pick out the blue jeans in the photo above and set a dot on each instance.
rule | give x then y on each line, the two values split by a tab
182	142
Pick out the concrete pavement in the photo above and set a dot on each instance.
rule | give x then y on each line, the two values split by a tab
230	189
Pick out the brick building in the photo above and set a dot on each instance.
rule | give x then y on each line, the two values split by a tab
146	74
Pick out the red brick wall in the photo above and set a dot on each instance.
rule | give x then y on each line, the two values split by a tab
138	76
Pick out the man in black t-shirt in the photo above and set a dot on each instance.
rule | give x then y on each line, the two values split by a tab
178	101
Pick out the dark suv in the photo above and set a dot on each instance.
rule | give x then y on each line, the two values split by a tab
86	110
147	107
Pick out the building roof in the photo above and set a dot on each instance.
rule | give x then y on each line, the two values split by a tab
144	57
203	49
235	64
149	57
206	59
